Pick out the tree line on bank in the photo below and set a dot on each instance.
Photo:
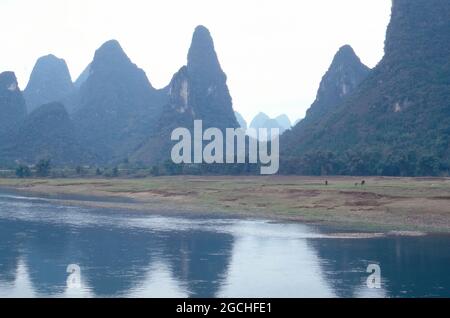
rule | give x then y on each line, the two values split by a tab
314	164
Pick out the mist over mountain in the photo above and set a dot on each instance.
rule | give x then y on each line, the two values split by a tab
118	107
50	81
396	122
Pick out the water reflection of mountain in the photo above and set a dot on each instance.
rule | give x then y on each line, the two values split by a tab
200	259
409	266
114	261
125	254
10	241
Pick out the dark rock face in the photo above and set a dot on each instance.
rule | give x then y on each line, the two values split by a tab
117	106
397	121
208	91
197	92
178	112
47	133
50	81
12	104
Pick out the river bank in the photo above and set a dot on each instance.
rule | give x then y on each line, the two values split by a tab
382	204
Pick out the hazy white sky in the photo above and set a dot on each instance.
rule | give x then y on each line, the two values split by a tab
273	51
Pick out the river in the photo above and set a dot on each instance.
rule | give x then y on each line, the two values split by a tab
115	253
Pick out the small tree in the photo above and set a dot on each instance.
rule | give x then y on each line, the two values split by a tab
98	172
43	168
79	170
115	172
172	169
154	171
23	171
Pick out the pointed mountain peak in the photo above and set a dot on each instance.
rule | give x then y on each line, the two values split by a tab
112	64
346	72
346	50
110	53
8	81
50	81
111	46
346	56
49	66
50	59
202	39
202	57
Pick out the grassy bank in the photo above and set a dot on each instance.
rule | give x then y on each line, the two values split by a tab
382	203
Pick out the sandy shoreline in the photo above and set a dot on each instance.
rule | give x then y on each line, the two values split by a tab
399	206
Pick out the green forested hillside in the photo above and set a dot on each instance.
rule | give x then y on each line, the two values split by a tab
397	122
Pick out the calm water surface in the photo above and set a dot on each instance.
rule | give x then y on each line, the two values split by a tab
126	254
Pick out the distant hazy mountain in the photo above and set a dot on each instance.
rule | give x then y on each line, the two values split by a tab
12	105
242	122
284	121
259	121
262	120
118	108
197	91
396	122
50	81
47	133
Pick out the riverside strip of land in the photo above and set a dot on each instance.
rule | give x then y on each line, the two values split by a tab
398	204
